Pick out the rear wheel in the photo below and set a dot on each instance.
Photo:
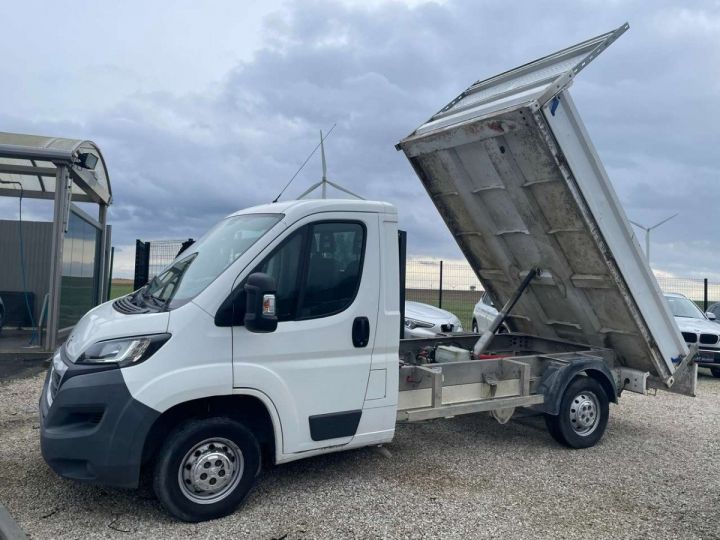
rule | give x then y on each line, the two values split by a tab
583	414
206	468
715	372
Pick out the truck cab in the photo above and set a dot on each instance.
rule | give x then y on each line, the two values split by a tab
136	368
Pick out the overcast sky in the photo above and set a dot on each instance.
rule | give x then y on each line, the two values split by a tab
203	108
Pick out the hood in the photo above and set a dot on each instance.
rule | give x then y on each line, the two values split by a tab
104	322
425	312
697	326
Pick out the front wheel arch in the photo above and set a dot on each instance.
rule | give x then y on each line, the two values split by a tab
248	409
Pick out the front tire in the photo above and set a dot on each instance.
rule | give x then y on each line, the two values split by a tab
583	414
206	468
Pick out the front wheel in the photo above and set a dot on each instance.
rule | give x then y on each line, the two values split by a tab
206	468
583	414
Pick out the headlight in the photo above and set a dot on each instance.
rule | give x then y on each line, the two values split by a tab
124	351
413	323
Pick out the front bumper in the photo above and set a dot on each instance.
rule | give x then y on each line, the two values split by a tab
91	428
710	356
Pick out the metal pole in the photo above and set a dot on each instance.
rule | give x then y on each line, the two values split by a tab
101	267
61	208
705	294
402	255
486	336
110	273
441	286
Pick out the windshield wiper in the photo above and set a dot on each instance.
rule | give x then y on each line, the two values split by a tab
159	302
145	290
143	298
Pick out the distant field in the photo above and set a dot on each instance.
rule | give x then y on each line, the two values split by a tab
120	287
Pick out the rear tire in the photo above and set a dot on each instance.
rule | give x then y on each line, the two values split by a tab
715	372
206	468
583	414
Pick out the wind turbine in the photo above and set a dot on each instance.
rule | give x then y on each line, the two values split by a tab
324	182
647	232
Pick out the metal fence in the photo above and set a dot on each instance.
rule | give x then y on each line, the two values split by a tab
153	256
454	286
700	290
451	285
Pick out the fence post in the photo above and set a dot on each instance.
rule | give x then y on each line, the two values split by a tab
110	273
142	264
441	286
402	252
705	296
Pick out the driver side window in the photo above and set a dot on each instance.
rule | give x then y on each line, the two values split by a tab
284	266
317	270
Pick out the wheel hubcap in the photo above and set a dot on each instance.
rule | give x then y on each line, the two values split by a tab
211	470
584	413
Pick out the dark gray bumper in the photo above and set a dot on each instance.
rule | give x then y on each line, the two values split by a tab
94	431
707	357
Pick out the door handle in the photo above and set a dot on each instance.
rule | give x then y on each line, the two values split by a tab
361	332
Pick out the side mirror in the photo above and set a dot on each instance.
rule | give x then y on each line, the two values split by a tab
710	315
260	303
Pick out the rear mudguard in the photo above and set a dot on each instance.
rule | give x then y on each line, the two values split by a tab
557	378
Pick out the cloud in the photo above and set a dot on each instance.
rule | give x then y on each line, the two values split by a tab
180	160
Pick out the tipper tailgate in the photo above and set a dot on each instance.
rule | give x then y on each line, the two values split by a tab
514	175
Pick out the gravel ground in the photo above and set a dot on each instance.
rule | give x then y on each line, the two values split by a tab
655	474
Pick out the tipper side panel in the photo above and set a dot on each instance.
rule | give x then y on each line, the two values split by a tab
518	183
510	209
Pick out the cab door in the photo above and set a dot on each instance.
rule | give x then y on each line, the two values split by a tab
315	366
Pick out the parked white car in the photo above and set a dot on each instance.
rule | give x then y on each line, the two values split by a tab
424	320
715	310
697	327
484	314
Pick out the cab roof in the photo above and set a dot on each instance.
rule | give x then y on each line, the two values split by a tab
299	208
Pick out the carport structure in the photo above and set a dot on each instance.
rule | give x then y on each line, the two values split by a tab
65	171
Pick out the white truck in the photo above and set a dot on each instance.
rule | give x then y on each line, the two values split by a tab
277	335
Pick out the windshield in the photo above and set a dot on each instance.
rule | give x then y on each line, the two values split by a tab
682	307
206	259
